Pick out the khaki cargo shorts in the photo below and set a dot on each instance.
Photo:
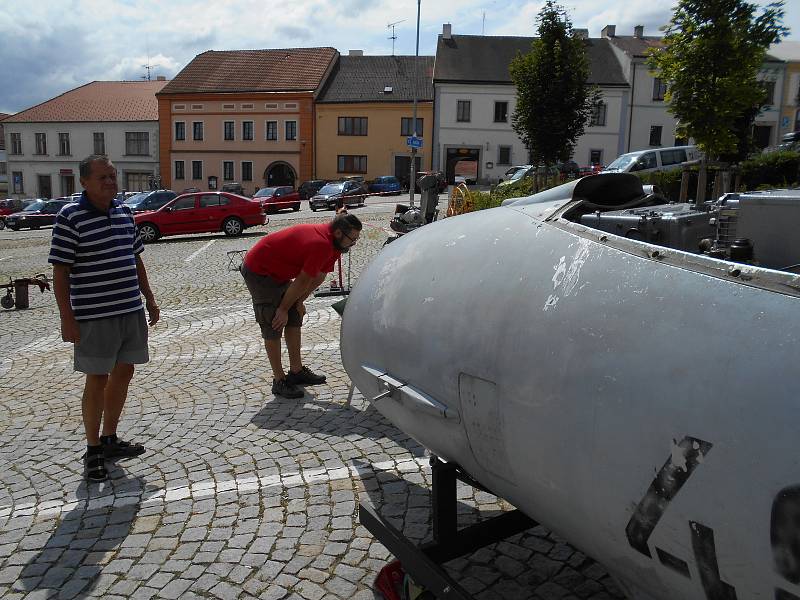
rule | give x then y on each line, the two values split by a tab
111	340
267	295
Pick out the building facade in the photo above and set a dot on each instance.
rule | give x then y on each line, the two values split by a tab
475	99
364	117
45	143
242	117
3	160
789	52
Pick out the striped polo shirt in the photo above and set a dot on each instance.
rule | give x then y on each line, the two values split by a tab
101	248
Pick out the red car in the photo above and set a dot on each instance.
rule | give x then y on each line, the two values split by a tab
274	199
200	213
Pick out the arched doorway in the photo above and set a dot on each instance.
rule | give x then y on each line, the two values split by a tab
279	173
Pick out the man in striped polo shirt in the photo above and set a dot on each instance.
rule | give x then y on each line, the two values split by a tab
98	280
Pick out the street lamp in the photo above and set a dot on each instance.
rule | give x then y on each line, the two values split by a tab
413	180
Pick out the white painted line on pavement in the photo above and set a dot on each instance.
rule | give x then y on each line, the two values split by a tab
192	256
211	487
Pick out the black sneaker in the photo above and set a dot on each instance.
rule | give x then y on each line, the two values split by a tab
94	465
305	376
116	448
282	387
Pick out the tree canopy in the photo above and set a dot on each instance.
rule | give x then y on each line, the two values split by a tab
554	98
710	59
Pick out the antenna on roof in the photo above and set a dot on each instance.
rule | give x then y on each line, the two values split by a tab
393	37
483	26
148	66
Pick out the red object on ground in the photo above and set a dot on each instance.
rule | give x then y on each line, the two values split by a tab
389	581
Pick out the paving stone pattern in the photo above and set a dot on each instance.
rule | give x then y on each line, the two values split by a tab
240	494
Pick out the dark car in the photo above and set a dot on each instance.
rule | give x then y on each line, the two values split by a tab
202	212
145	201
344	193
387	184
310	188
274	199
233	188
38	214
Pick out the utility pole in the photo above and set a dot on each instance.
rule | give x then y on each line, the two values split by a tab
393	37
413	181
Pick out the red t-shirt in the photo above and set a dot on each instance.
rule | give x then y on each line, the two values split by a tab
282	255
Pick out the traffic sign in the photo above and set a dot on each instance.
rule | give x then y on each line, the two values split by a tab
414	142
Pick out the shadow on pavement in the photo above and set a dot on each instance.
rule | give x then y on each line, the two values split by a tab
72	560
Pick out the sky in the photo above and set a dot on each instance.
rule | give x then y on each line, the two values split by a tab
48	47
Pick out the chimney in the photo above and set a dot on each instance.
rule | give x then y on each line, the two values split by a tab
608	31
355	53
447	31
581	34
638	31
161	78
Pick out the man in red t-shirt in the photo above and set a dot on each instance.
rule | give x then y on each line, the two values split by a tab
280	271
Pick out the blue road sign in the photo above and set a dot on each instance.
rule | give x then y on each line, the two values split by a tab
414	142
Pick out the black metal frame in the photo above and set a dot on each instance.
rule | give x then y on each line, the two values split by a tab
422	563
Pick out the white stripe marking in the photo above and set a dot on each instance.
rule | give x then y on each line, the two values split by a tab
191	257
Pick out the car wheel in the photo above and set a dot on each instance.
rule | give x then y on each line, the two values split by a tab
148	232
232	226
14	227
2	224
296	207
313	208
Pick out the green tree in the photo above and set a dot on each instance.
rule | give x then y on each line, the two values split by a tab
554	99
710	59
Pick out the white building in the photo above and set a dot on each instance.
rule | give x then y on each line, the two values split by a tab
3	159
475	98
46	143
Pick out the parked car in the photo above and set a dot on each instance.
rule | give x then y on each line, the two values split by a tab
440	178
202	212
348	193
122	196
37	214
465	179
10	205
648	161
511	170
310	188
274	199
530	171
144	201
386	184
233	188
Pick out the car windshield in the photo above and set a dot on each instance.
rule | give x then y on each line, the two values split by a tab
265	192
136	199
622	162
519	174
38	205
334	188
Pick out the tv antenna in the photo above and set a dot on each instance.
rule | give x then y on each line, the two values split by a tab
147	67
393	37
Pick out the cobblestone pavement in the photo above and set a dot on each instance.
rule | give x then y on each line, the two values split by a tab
240	494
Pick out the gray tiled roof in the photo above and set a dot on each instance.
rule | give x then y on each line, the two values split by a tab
485	59
636	47
364	78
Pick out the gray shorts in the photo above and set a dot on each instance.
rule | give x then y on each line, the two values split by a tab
106	342
267	295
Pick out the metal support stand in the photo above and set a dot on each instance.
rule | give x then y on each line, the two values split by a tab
422	563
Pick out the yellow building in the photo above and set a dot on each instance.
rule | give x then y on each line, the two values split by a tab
364	116
789	52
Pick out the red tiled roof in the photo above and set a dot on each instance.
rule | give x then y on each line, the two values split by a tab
290	69
98	101
4	116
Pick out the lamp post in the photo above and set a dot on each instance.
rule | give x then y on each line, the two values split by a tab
413	181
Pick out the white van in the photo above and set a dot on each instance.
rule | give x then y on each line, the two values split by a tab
657	159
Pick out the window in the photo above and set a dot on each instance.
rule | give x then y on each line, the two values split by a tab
463	111
41	143
207	200
99	139
16	143
595	157
405	126
271	105
228	107
655	135
197	107
272	130
351	164
197	169
227	170
769	92
247	106
63	144
137	143
197	130
291	130
16	182
4	169
247	130
352	125
184	203
501	112
179	106
290	105
247	171
180	130
179	173
659	89
673	157
228	130
599	115
504	155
